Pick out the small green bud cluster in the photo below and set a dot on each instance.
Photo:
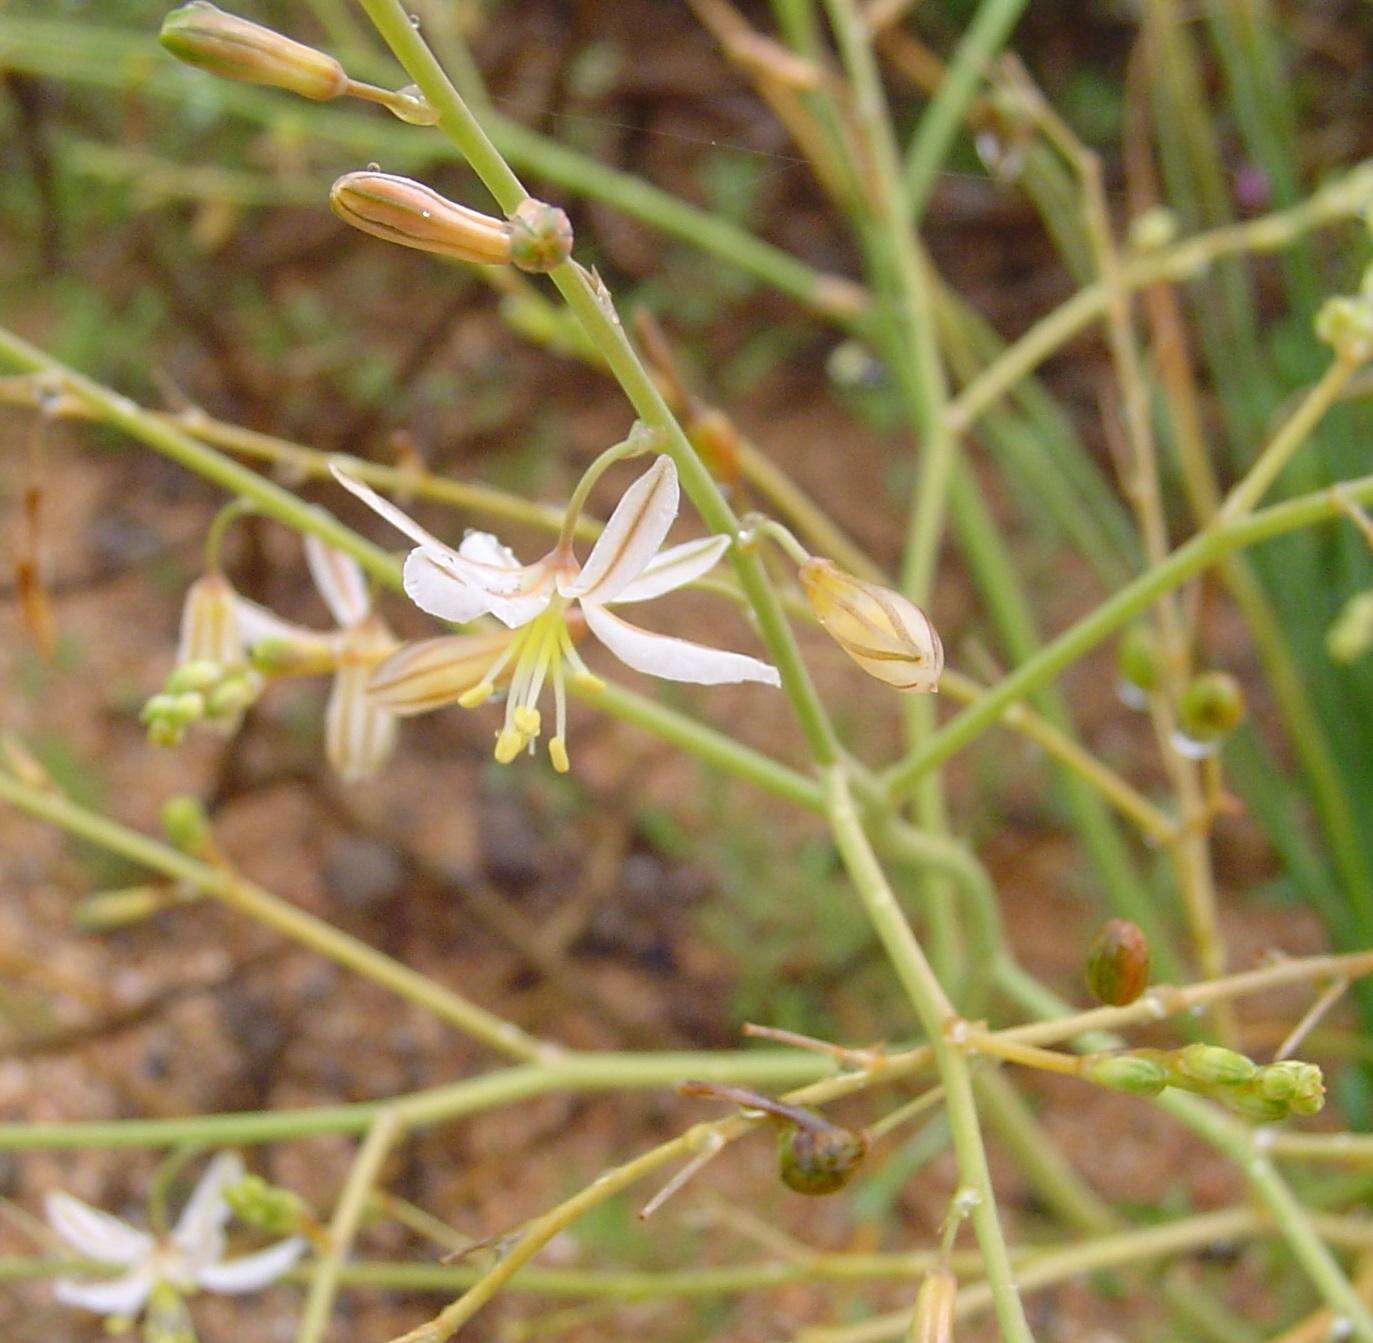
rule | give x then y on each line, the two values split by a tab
1263	1092
1345	323
199	692
268	1207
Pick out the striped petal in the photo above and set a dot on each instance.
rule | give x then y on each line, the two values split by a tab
632	536
209	623
673	659
359	736
94	1234
434	672
340	581
674	568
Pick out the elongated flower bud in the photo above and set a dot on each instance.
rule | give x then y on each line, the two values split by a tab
209	623
932	1321
104	911
1118	963
889	637
1133	1073
201	34
434	672
414	215
1213	1065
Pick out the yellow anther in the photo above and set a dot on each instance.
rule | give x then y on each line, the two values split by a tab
557	753
527	720
509	744
479	694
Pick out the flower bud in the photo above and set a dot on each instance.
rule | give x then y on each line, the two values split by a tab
267	1207
540	236
209	623
1137	661
105	911
1118	963
280	655
1298	1086
1210	707
434	672
232	695
1346	325
932	1321
194	676
1137	1074
821	1159
1155	228
1352	633
888	636
224	44
186	825
1213	1065
413	215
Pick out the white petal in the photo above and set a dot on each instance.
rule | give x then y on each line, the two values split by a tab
674	567
95	1234
113	1296
491	577
487	549
256	623
632	536
437	590
673	659
252	1272
340	581
359	736
199	1231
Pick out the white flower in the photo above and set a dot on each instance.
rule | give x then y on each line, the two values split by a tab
359	736
482	577
191	1258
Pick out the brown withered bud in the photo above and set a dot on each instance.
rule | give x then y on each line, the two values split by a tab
409	213
540	237
1117	969
224	44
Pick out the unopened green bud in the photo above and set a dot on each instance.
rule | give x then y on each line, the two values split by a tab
1138	663
540	236
158	709
231	697
414	215
161	732
1117	969
1351	635
194	676
281	656
1346	325
267	1207
1210	707
107	910
819	1160
1250	1104
186	708
224	44
1297	1085
1155	228
1135	1074
1213	1066
185	823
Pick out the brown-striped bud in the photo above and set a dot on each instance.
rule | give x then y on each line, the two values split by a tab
932	1321
202	35
1117	969
414	215
888	636
434	672
209	623
540	236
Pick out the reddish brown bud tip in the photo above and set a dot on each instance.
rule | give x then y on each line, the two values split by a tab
1118	963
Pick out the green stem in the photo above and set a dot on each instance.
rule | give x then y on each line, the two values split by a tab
936	1015
324	1281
